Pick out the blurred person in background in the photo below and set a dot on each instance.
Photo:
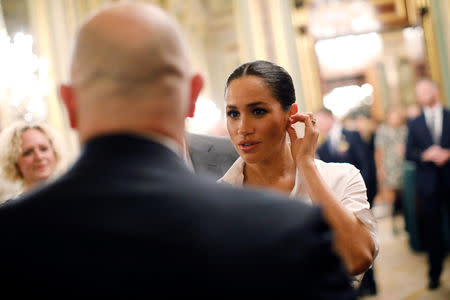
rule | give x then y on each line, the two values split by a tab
366	127
413	110
428	145
260	109
30	155
343	145
390	143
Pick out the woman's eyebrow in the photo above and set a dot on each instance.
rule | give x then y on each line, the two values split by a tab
248	105
255	103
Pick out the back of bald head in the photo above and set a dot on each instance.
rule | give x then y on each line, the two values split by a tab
127	48
130	72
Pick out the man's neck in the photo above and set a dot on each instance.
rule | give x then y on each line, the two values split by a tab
163	139
434	106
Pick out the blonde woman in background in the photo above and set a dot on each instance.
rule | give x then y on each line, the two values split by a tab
30	154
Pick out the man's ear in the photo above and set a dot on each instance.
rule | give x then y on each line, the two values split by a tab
293	110
68	97
196	87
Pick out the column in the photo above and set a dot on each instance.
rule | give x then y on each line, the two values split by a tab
266	31
440	13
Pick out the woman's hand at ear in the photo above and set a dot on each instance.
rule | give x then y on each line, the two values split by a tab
303	149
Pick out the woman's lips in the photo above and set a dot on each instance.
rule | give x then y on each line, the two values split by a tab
248	146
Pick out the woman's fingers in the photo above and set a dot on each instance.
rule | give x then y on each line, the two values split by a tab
292	133
307	118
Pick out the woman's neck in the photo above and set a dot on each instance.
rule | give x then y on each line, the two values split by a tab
278	172
28	186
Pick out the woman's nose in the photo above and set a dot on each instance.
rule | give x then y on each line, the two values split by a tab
39	154
245	127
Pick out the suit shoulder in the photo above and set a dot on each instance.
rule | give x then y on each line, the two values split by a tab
194	137
417	119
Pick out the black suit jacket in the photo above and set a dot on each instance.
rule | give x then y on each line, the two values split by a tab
211	156
419	139
129	219
357	153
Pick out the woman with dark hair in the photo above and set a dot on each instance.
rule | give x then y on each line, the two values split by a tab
260	108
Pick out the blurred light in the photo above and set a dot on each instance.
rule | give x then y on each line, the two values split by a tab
23	78
206	116
342	100
367	89
414	43
333	18
348	54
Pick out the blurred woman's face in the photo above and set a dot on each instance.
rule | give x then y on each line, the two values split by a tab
256	121
395	118
37	160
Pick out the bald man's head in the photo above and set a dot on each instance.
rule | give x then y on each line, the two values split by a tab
130	71
128	43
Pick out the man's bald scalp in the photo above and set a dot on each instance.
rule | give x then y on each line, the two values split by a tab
129	45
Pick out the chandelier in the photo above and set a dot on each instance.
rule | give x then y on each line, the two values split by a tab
331	18
23	79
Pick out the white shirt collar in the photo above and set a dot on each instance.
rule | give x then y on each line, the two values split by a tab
437	108
235	177
187	157
437	112
335	134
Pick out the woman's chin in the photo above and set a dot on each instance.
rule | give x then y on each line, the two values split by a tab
42	177
250	158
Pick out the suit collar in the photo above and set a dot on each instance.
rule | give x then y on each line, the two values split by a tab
127	149
424	128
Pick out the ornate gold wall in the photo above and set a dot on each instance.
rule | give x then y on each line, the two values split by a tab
226	33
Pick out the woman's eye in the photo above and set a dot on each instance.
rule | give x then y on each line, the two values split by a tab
259	111
26	153
43	148
232	114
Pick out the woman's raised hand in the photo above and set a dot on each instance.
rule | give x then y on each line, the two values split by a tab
303	149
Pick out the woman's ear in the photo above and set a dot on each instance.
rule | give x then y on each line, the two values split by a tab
293	110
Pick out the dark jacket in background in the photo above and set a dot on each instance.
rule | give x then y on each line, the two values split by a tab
419	139
433	189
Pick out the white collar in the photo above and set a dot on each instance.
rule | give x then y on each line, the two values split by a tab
433	109
187	157
335	133
235	177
